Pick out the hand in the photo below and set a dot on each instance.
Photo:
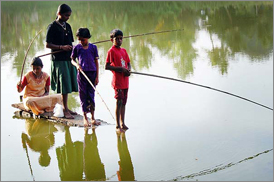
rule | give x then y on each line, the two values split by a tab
78	67
126	72
19	87
45	94
66	47
96	81
19	84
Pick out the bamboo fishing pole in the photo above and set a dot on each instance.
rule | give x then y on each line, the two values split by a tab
165	31
96	92
145	74
27	54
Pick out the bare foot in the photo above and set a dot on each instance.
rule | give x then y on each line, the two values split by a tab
72	112
68	115
124	127
119	130
86	123
94	122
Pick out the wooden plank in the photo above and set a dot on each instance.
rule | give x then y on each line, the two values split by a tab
77	121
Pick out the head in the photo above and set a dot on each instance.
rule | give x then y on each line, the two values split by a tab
37	65
83	35
116	37
44	159
63	12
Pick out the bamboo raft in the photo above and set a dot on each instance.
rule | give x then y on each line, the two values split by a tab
76	122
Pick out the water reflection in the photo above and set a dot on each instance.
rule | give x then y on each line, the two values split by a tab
126	172
217	168
40	138
94	169
70	159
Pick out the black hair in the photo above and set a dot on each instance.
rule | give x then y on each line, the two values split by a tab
36	61
83	32
115	33
63	8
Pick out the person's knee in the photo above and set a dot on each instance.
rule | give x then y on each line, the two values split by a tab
29	103
119	102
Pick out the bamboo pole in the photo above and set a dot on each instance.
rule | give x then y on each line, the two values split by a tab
27	54
145	74
165	31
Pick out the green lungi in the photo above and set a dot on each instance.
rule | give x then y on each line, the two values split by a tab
63	77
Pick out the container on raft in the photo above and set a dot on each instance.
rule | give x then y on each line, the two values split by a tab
77	121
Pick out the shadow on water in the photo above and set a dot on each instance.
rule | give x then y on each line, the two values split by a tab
77	160
94	169
70	159
39	138
126	170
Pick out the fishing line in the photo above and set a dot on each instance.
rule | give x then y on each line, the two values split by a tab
145	74
165	31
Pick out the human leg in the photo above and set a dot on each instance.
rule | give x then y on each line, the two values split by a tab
121	96
67	114
64	81
85	119
90	95
118	114
123	109
38	105
122	117
93	120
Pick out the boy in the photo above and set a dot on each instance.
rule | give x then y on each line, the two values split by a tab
119	63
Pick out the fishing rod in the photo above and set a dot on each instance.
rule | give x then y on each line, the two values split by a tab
145	74
27	54
165	31
96	92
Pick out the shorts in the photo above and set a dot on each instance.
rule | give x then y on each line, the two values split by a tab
121	94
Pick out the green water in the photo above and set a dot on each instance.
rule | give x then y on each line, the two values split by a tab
177	131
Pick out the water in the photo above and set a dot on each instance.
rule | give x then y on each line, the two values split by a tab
177	131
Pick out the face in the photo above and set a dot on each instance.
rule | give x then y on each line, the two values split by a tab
117	41
64	17
37	70
83	41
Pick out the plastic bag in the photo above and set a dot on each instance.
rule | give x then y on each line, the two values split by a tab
58	111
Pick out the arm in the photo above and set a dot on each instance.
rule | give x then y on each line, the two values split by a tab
116	68
74	63
129	68
97	71
46	90
47	87
21	86
58	47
